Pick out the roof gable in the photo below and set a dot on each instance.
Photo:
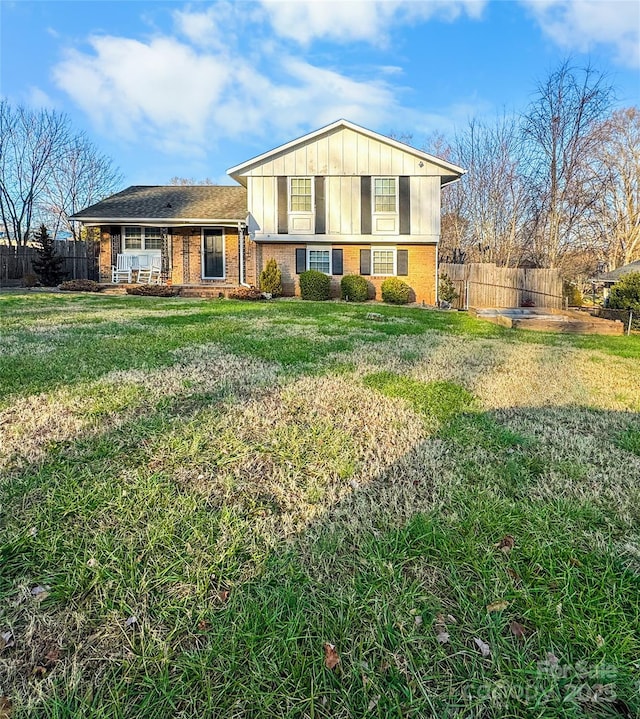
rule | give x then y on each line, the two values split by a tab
342	148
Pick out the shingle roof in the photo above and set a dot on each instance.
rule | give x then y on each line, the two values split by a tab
172	202
615	275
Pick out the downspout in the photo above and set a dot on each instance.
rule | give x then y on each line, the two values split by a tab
241	228
437	271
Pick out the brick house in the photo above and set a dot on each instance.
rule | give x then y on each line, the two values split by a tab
342	200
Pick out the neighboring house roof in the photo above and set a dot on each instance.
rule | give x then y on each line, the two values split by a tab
170	203
455	171
618	273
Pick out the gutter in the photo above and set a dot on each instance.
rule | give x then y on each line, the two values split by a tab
155	221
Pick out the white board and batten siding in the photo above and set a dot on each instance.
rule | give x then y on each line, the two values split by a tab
343	157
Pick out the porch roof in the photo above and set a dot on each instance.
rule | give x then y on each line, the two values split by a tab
170	204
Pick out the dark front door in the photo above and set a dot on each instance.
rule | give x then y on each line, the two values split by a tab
213	253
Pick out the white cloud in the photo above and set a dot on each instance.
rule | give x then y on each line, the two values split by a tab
162	87
582	24
183	99
37	98
358	20
224	74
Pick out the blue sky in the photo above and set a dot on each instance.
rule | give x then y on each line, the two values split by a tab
190	89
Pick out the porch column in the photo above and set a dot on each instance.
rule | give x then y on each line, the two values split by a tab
165	256
116	245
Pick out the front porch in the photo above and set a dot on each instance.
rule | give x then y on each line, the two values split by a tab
216	258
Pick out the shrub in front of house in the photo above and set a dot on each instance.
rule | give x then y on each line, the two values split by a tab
354	288
625	294
80	286
315	285
395	291
152	290
271	279
447	290
245	293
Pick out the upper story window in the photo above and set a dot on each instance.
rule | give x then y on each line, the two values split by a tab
142	238
300	194
384	194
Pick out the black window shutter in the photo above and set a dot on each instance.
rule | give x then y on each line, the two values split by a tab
320	207
365	205
336	261
282	206
405	205
301	260
365	262
403	263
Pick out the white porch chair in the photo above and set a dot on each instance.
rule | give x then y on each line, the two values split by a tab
150	274
121	271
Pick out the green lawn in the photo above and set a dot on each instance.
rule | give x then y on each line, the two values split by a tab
197	496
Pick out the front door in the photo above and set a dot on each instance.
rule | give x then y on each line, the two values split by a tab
213	253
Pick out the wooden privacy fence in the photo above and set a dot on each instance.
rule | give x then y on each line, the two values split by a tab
80	262
485	285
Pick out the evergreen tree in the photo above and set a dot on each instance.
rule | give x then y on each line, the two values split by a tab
271	279
48	265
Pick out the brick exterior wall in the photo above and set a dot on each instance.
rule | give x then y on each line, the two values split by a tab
421	277
185	248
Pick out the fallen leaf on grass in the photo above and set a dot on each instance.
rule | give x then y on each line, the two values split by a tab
506	544
40	592
418	620
440	627
514	575
6	640
203	625
5	707
484	648
331	658
223	595
517	630
131	622
373	703
497	606
599	641
52	656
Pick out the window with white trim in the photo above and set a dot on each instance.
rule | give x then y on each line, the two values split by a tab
300	199
384	194
319	259
142	238
383	261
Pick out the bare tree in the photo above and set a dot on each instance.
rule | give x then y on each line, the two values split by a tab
80	177
484	214
31	142
617	210
559	132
